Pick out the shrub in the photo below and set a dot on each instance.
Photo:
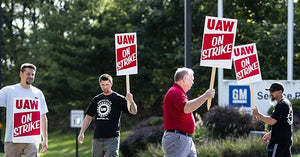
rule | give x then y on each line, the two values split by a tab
147	131
296	112
229	147
227	121
296	106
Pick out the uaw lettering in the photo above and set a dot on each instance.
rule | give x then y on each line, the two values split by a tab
27	104
126	57
126	39
220	45
220	25
243	51
239	95
26	117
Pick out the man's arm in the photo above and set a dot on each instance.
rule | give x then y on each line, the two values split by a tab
44	133
131	105
194	104
264	118
266	137
86	123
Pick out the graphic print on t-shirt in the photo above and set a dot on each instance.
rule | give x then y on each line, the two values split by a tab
290	117
103	109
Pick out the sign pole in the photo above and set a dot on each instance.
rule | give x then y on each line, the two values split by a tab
76	120
211	86
128	90
127	84
77	133
252	97
1	142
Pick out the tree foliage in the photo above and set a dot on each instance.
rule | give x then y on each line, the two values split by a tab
72	43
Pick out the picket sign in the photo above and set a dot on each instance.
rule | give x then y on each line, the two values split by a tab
126	56
217	46
26	120
247	67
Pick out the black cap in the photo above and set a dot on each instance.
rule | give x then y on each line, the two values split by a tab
276	87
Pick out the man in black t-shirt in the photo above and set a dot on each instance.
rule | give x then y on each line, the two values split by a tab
107	108
280	137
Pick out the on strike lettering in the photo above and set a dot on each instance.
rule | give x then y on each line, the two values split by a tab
126	39
240	51
126	61
217	51
220	25
27	104
26	128
246	71
26	118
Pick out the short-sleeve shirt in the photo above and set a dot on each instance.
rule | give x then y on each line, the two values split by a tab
282	129
10	93
107	111
173	109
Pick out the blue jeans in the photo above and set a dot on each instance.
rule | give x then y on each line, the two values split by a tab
175	145
106	147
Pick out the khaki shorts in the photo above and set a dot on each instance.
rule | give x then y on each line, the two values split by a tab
19	149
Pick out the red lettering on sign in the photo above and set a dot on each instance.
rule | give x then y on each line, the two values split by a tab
220	25
125	39
241	51
27	104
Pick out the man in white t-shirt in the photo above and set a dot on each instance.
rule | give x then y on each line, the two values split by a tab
26	119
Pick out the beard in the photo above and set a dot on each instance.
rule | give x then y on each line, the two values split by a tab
29	81
273	101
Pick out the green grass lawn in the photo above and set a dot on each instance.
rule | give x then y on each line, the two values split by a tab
65	145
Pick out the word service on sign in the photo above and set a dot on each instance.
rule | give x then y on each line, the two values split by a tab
126	53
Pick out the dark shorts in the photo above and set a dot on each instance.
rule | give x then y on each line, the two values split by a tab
279	150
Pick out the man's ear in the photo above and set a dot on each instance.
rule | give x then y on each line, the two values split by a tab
184	79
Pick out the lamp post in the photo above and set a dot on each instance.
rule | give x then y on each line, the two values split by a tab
1	142
187	36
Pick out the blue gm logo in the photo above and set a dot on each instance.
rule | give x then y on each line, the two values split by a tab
239	96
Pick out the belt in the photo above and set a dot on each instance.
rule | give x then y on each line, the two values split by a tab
180	132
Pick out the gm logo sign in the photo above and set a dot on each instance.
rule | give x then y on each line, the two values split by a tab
239	96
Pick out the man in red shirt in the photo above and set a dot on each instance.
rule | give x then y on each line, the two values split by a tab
179	122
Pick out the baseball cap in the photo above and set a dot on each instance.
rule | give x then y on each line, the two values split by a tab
275	87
